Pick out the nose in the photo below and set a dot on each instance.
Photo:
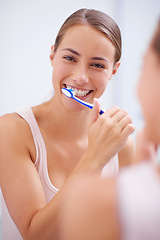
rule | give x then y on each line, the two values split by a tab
81	75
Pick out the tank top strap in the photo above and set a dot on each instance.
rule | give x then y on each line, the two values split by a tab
28	115
41	153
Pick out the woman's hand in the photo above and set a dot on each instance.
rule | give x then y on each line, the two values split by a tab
106	136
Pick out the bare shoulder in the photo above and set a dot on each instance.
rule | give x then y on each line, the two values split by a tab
127	154
12	127
15	136
8	120
18	175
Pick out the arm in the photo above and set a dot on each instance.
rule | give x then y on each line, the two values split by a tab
108	135
20	182
21	186
90	211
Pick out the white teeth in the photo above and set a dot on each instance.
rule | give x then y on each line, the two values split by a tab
78	93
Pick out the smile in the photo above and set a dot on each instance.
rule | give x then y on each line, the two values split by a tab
79	92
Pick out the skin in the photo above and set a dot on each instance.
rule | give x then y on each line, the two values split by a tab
80	70
84	148
148	92
90	213
85	72
97	213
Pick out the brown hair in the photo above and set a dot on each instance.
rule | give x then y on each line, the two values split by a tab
98	20
155	44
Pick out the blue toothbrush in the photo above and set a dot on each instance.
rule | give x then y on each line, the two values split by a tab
69	94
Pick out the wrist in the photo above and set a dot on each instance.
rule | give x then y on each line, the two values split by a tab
90	162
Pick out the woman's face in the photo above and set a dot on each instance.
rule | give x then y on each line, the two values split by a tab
149	94
83	61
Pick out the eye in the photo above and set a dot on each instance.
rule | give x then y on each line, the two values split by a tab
69	58
98	65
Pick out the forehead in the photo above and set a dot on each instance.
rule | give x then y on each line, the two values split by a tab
86	38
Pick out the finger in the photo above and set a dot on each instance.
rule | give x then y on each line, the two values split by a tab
112	111
128	129
118	116
125	120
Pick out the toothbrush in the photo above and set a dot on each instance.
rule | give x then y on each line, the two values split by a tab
69	94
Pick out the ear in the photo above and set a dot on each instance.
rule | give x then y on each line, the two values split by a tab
52	54
115	68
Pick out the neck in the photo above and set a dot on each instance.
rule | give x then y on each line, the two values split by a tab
63	124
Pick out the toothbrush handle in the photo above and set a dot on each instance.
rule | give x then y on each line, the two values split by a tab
89	105
101	112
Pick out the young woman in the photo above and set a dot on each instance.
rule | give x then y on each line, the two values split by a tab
43	148
127	207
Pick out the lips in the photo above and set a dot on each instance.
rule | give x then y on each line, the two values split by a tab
79	92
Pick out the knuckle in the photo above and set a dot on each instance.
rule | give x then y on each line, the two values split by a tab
102	119
107	123
116	108
125	112
115	131
129	118
130	128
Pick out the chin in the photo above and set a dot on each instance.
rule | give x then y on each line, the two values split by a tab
153	135
75	107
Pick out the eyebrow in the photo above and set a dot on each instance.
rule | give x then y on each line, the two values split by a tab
71	50
78	54
100	58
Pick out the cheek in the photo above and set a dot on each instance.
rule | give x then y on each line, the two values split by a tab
103	86
100	83
153	129
58	74
143	90
145	101
104	78
150	101
148	93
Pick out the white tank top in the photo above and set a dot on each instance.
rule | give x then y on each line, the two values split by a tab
10	231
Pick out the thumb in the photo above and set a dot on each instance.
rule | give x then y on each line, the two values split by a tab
95	111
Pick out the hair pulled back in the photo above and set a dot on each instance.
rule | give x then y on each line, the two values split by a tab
99	21
155	44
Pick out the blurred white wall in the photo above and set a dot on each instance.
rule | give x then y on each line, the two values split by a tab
137	20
